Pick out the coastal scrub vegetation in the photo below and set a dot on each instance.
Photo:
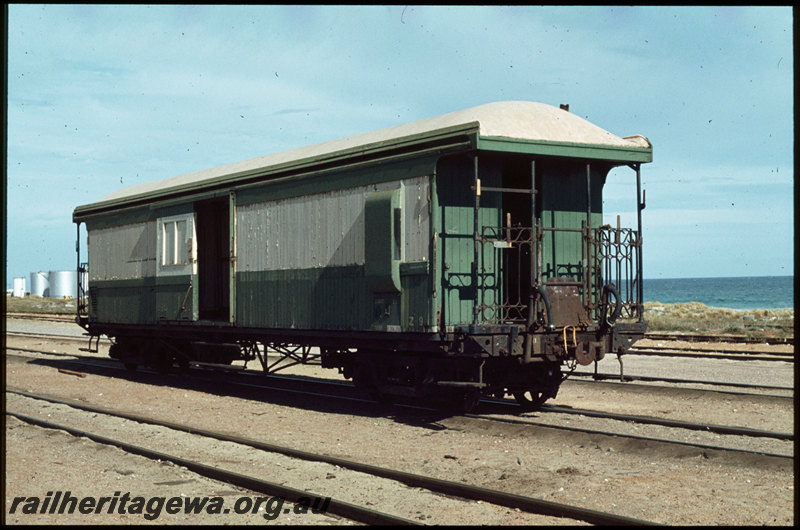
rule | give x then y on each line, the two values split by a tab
699	318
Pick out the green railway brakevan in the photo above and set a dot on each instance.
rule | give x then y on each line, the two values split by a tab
452	257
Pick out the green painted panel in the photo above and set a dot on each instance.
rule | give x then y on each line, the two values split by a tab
329	298
335	298
616	154
561	202
382	253
123	305
174	302
455	225
563	205
142	301
416	310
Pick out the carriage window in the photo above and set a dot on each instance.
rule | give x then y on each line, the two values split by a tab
174	251
174	245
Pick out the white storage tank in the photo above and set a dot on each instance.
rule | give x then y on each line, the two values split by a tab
63	284
19	287
40	284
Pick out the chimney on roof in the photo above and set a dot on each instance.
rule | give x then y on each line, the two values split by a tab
565	107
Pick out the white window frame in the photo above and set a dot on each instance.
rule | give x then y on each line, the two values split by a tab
183	254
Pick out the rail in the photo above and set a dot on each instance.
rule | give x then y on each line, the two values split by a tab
446	487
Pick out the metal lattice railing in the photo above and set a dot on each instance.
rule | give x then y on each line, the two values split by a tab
617	261
512	250
612	255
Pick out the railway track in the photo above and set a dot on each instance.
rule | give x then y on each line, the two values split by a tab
344	391
738	355
735	339
48	317
338	507
597	376
715	349
710	427
672	350
601	377
654	335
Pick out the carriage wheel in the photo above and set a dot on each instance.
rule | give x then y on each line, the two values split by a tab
160	359
183	363
122	352
163	364
365	379
464	401
530	399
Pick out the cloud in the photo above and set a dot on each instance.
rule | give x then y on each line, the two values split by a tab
99	94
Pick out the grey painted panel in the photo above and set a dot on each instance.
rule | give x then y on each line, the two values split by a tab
417	219
122	252
324	229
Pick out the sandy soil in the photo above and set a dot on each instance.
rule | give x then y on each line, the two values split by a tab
645	480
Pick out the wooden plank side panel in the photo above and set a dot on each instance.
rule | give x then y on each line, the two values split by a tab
563	203
330	298
122	252
456	217
142	301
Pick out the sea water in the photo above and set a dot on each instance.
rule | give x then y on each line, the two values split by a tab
747	293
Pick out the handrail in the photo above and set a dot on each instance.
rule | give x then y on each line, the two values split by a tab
613	255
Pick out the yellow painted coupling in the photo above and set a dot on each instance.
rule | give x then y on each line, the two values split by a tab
574	340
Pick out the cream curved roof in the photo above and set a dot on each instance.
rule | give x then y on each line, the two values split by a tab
520	120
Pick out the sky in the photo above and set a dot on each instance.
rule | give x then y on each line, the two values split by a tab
101	97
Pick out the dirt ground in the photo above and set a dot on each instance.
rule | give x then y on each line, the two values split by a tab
676	485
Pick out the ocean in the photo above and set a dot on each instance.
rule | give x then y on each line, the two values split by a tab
746	293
